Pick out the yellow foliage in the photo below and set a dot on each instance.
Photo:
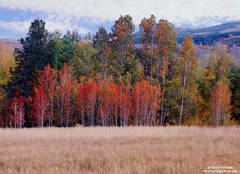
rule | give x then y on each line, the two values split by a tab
6	57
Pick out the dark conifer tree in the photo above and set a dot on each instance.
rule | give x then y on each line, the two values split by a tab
30	59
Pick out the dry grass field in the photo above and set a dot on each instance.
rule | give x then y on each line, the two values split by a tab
164	150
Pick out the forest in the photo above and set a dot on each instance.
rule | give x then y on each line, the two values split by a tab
104	79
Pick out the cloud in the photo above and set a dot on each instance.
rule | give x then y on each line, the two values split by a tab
51	25
64	14
19	26
63	26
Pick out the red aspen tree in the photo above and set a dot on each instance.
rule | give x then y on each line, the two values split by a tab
90	100
64	92
106	103
47	79
124	101
146	102
115	102
80	103
221	104
40	105
17	112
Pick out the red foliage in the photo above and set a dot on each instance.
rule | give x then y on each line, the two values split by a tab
106	103
146	100
44	96
64	95
16	111
90	99
124	100
40	105
103	103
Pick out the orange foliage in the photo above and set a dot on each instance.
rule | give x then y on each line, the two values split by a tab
221	104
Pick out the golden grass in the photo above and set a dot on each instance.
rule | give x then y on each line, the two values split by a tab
167	150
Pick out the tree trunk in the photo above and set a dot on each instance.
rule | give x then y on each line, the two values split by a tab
183	94
162	104
15	116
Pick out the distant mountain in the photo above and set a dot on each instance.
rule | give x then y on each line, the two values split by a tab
212	35
228	33
11	43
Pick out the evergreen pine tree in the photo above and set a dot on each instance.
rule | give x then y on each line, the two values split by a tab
30	59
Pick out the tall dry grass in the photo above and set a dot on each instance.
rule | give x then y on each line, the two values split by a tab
167	150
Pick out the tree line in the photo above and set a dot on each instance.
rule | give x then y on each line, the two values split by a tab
105	79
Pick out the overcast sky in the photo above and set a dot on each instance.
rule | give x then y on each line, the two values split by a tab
88	15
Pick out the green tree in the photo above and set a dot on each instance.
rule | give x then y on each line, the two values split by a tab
189	65
84	60
234	78
147	28
62	49
122	45
218	69
101	42
166	55
219	64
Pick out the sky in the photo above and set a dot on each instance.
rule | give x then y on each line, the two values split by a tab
87	15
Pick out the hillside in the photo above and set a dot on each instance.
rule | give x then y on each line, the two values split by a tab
214	34
227	33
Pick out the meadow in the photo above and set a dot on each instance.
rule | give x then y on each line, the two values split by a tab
110	150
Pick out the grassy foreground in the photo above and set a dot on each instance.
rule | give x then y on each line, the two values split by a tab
167	150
